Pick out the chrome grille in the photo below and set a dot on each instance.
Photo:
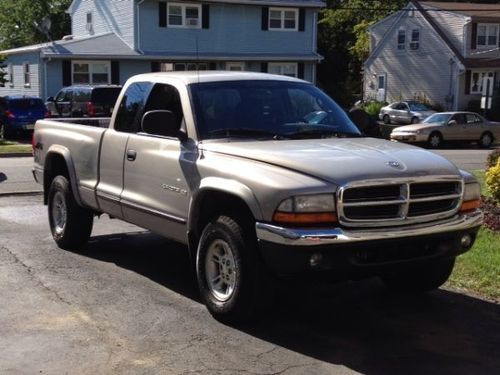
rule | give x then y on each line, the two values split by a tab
398	202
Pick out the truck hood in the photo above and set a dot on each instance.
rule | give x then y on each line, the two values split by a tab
340	160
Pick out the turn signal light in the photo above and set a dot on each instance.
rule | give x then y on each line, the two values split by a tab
470	205
305	218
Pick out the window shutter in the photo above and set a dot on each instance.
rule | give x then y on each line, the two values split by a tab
265	18
302	19
66	73
300	70
263	67
205	16
468	76
473	36
155	66
115	72
162	14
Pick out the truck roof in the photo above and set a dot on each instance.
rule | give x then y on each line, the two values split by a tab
204	76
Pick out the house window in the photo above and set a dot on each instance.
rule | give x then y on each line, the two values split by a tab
476	85
91	72
170	67
487	35
401	39
184	15
27	75
284	69
235	66
415	39
89	25
283	19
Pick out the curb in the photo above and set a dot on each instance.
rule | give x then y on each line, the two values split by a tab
15	154
21	193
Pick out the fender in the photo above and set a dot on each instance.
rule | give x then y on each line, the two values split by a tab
223	185
70	165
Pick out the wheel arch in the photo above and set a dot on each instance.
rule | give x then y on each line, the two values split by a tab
219	196
58	161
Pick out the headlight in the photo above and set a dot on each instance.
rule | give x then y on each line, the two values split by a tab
307	209
472	197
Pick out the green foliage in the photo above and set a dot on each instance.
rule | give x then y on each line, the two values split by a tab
373	108
493	181
21	21
492	158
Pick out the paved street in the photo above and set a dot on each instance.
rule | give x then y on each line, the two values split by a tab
128	304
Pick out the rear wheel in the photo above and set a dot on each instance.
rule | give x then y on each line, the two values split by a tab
70	224
386	119
232	280
435	140
486	140
4	132
421	278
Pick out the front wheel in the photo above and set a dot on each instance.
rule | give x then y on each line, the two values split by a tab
435	140
421	278
70	224
231	277
486	140
414	120
386	119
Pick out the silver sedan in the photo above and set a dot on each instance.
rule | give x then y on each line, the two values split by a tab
450	126
406	112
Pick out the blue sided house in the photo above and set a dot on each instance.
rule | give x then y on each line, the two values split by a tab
111	40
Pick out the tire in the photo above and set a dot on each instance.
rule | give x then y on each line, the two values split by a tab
232	280
435	140
386	119
486	140
70	224
414	120
421	278
4	132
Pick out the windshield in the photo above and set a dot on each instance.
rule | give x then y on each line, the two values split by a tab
438	118
267	109
414	106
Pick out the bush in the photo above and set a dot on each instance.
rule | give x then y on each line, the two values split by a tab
373	108
492	181
492	158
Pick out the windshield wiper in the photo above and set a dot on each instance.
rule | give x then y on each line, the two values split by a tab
232	132
322	133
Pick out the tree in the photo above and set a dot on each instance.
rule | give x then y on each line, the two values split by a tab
22	21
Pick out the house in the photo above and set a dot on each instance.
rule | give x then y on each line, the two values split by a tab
111	40
439	51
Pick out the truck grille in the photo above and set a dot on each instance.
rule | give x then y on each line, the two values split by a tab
387	203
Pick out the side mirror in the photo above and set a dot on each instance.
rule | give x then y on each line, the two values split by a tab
452	122
50	99
162	122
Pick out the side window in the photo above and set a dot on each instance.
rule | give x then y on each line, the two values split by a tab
60	96
166	97
131	109
472	118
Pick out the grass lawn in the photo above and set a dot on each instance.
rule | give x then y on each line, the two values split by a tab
9	147
478	271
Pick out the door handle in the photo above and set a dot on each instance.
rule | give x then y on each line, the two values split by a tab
131	155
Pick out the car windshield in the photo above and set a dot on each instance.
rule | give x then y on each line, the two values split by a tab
26	103
414	106
438	118
267	109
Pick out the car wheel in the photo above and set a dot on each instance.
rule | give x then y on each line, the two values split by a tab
422	278
414	120
4	132
70	224
486	140
386	119
435	140
231	277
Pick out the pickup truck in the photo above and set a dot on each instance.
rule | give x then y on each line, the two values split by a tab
261	176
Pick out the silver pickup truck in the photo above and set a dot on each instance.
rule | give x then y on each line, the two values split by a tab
260	176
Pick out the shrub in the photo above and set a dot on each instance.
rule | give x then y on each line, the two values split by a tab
492	158
492	181
373	108
491	211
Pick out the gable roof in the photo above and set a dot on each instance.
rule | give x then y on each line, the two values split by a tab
477	12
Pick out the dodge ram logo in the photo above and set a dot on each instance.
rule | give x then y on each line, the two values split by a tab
394	164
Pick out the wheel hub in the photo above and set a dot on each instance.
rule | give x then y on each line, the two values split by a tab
59	213
220	270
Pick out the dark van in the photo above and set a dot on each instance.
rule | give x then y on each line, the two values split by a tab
84	101
18	114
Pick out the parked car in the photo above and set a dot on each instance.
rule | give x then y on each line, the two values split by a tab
18	114
407	112
84	101
450	126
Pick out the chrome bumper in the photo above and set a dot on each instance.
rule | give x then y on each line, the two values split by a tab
318	237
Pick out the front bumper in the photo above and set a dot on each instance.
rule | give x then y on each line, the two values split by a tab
346	251
409	137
